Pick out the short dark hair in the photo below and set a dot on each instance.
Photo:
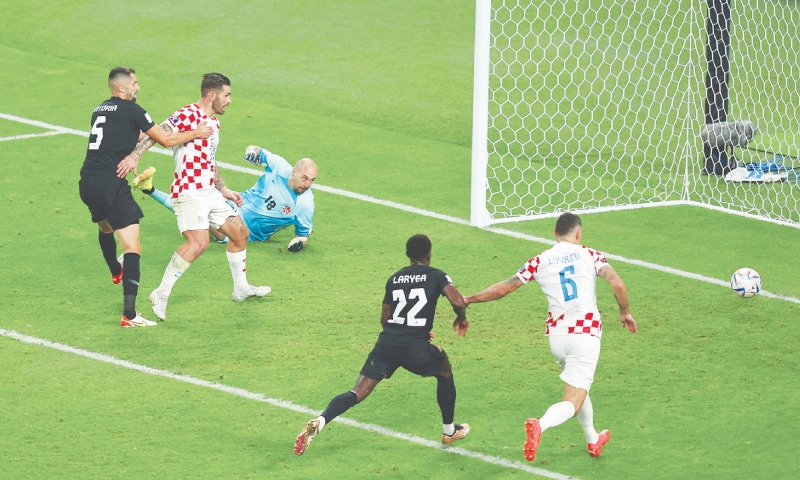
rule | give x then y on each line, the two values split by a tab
418	246
213	81
117	72
566	223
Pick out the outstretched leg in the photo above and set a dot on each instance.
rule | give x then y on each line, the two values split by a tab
337	406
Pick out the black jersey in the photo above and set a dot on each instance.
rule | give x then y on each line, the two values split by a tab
116	124
412	293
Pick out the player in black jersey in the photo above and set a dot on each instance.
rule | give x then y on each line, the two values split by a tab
409	305
117	125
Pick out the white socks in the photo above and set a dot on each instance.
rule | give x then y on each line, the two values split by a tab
557	414
321	420
586	417
238	264
561	412
175	268
449	429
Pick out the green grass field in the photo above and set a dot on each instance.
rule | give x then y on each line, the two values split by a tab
379	94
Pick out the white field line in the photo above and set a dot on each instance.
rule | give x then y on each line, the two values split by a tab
276	402
31	135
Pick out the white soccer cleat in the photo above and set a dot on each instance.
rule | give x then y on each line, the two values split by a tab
159	302
251	291
137	321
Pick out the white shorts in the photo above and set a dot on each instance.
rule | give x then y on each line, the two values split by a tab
200	209
578	356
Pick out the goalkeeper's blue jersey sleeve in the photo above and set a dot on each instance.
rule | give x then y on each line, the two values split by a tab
270	205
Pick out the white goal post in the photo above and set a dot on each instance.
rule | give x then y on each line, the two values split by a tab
599	105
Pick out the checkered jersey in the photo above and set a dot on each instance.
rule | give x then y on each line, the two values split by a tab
195	161
567	274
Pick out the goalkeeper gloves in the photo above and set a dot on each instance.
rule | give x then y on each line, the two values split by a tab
252	155
297	244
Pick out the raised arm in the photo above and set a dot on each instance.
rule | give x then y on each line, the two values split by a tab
608	274
271	162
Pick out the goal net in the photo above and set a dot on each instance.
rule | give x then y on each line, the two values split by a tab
599	105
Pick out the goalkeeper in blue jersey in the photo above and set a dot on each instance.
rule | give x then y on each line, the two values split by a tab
281	197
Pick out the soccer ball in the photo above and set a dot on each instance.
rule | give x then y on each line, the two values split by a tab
746	282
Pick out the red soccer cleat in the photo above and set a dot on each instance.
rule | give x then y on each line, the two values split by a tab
596	448
534	433
306	435
116	279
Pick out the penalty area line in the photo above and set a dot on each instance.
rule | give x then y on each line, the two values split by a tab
285	404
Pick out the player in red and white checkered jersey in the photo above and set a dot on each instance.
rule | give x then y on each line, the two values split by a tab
117	124
567	274
195	166
199	196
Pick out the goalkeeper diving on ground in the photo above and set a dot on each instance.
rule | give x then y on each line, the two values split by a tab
281	197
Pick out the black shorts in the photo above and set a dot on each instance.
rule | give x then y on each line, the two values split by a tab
110	199
418	356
